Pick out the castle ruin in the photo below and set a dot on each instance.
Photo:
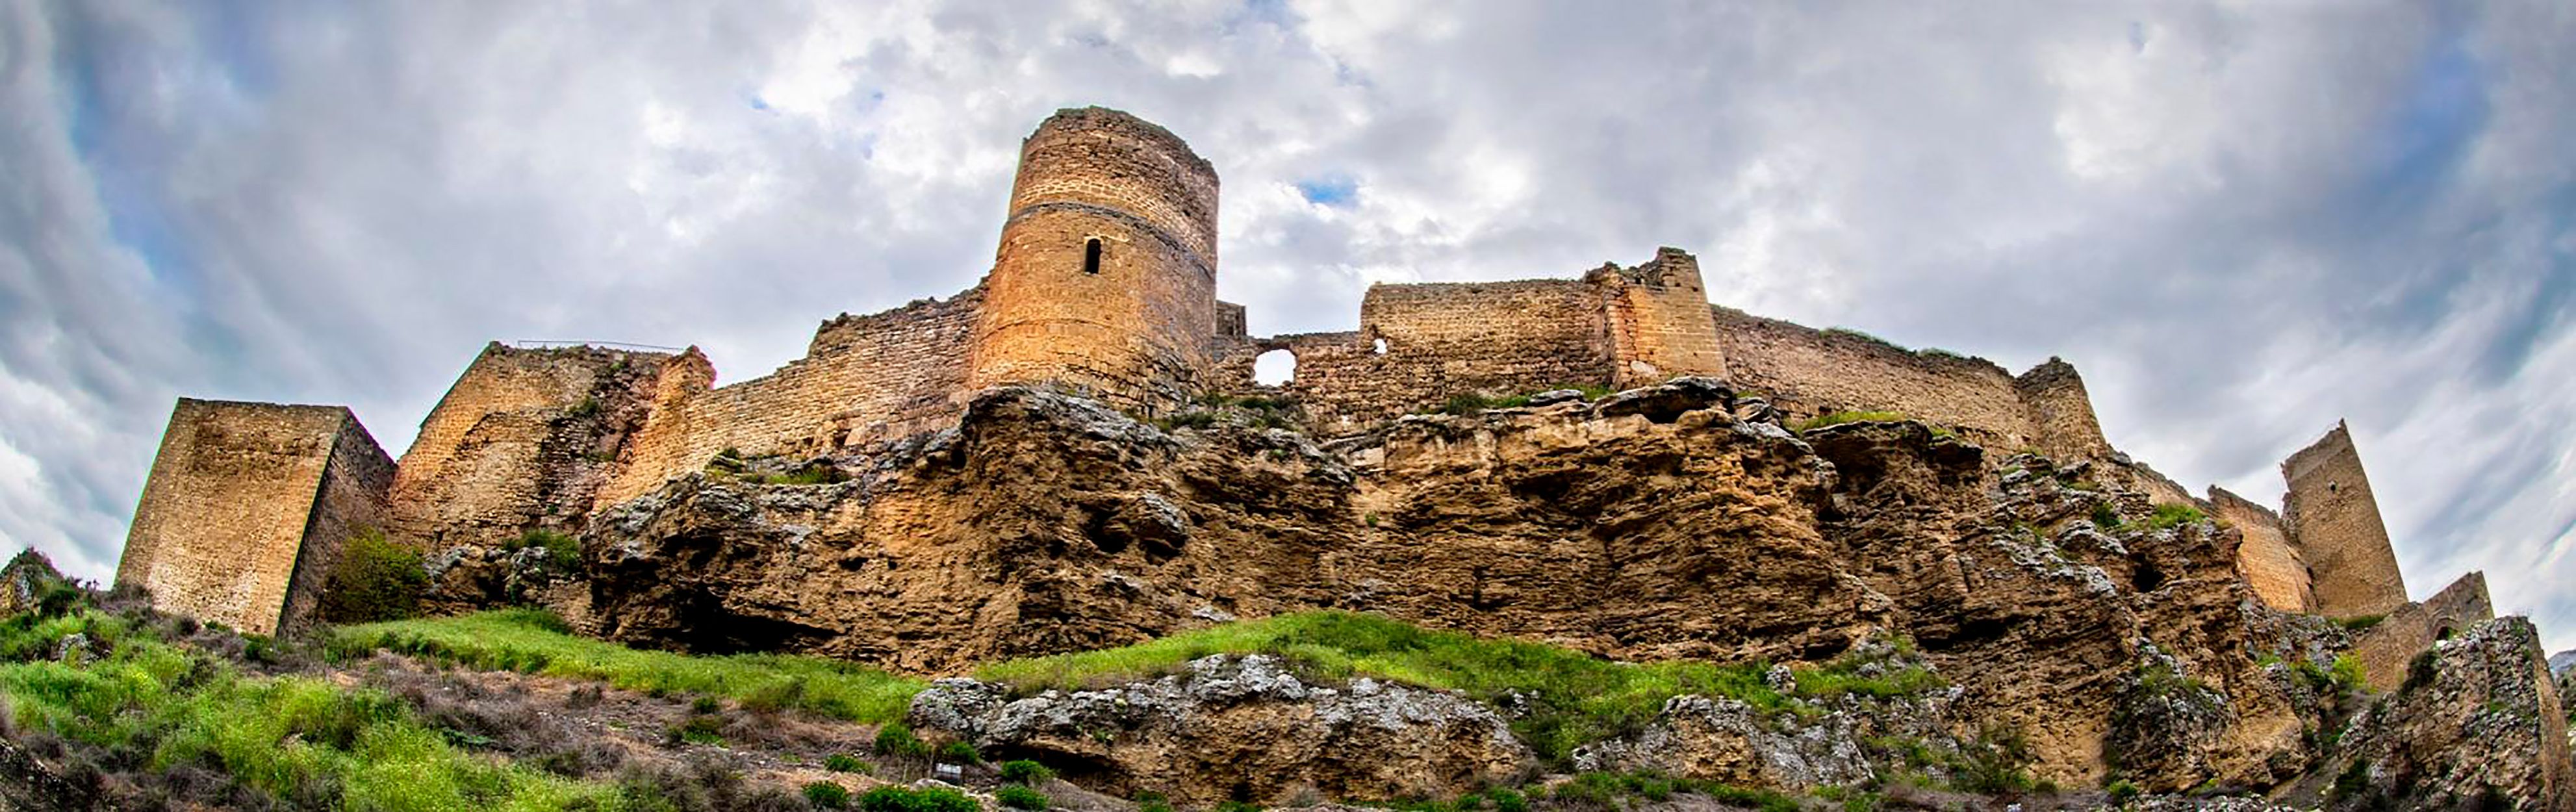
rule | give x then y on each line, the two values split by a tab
1103	284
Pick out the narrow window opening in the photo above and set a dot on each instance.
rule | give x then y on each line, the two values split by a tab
1091	256
1378	347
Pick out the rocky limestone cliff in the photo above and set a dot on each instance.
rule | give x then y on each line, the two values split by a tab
1669	522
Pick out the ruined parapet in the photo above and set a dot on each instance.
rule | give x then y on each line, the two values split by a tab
2265	556
2461	605
523	439
1105	278
1806	372
2334	520
247	507
662	447
1659	322
2061	412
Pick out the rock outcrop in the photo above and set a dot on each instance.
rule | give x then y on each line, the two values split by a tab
2477	724
1240	728
1650	524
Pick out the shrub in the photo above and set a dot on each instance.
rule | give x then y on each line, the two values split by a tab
1019	797
827	794
1023	771
2348	673
960	752
2122	791
2171	516
1152	802
1506	800
846	763
375	579
899	799
562	552
707	730
2106	517
897	740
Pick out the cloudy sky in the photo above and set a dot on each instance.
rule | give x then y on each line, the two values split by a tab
2241	221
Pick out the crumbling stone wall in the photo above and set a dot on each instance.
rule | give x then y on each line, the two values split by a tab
522	440
2459	606
1419	344
2265	557
2334	520
1807	372
2388	647
863	380
1659	320
246	507
1105	279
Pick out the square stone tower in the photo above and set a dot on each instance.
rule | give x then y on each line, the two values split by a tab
2334	521
247	507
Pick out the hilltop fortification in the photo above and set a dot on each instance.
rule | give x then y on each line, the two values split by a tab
1103	287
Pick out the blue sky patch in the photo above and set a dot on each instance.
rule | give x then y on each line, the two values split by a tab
1335	190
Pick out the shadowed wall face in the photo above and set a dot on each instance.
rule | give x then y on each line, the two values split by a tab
2334	520
523	439
2265	557
1105	278
247	503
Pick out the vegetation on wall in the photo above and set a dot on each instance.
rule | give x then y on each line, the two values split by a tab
375	579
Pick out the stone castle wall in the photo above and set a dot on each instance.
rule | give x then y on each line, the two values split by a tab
2264	557
2388	647
864	379
1105	279
351	500
1807	372
2334	521
237	495
522	440
1659	320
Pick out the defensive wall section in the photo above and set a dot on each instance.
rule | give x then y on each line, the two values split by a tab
863	379
1806	372
2265	557
246	508
522	440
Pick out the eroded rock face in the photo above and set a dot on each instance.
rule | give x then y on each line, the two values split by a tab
1240	728
2476	722
1671	522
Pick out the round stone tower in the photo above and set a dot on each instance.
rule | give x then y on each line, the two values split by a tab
1105	281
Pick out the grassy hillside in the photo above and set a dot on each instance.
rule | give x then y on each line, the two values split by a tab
135	705
534	642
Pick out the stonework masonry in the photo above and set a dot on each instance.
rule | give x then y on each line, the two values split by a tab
2389	646
1103	284
2334	520
246	508
1807	372
2265	558
523	440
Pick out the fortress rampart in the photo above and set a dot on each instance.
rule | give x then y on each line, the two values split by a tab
246	509
1103	283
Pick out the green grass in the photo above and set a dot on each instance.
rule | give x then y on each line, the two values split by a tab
562	551
534	642
1839	418
288	737
2171	516
1574	698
